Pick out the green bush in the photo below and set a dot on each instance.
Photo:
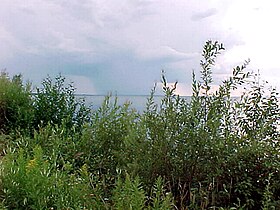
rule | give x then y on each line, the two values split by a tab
55	104
213	151
16	111
129	194
30	182
102	145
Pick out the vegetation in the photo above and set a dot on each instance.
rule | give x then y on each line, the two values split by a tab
15	103
213	152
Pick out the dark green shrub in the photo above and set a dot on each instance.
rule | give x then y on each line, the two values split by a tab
55	104
16	111
102	145
213	151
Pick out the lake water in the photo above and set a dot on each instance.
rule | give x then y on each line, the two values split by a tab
137	101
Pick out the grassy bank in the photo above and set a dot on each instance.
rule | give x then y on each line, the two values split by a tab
206	153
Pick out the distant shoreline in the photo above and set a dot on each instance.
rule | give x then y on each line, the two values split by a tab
121	95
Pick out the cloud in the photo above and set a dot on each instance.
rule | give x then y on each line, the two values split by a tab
82	83
182	89
204	14
166	53
117	45
9	44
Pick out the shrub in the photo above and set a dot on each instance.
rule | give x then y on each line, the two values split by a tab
102	145
16	111
30	182
129	194
55	104
212	147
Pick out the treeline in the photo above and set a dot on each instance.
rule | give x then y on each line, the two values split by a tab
208	153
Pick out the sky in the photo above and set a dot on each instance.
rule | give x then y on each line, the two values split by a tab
122	46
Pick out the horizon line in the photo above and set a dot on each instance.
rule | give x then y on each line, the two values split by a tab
110	94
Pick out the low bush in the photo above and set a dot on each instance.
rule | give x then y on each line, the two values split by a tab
128	194
102	145
16	110
55	103
31	182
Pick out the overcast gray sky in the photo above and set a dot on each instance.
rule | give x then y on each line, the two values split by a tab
122	45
